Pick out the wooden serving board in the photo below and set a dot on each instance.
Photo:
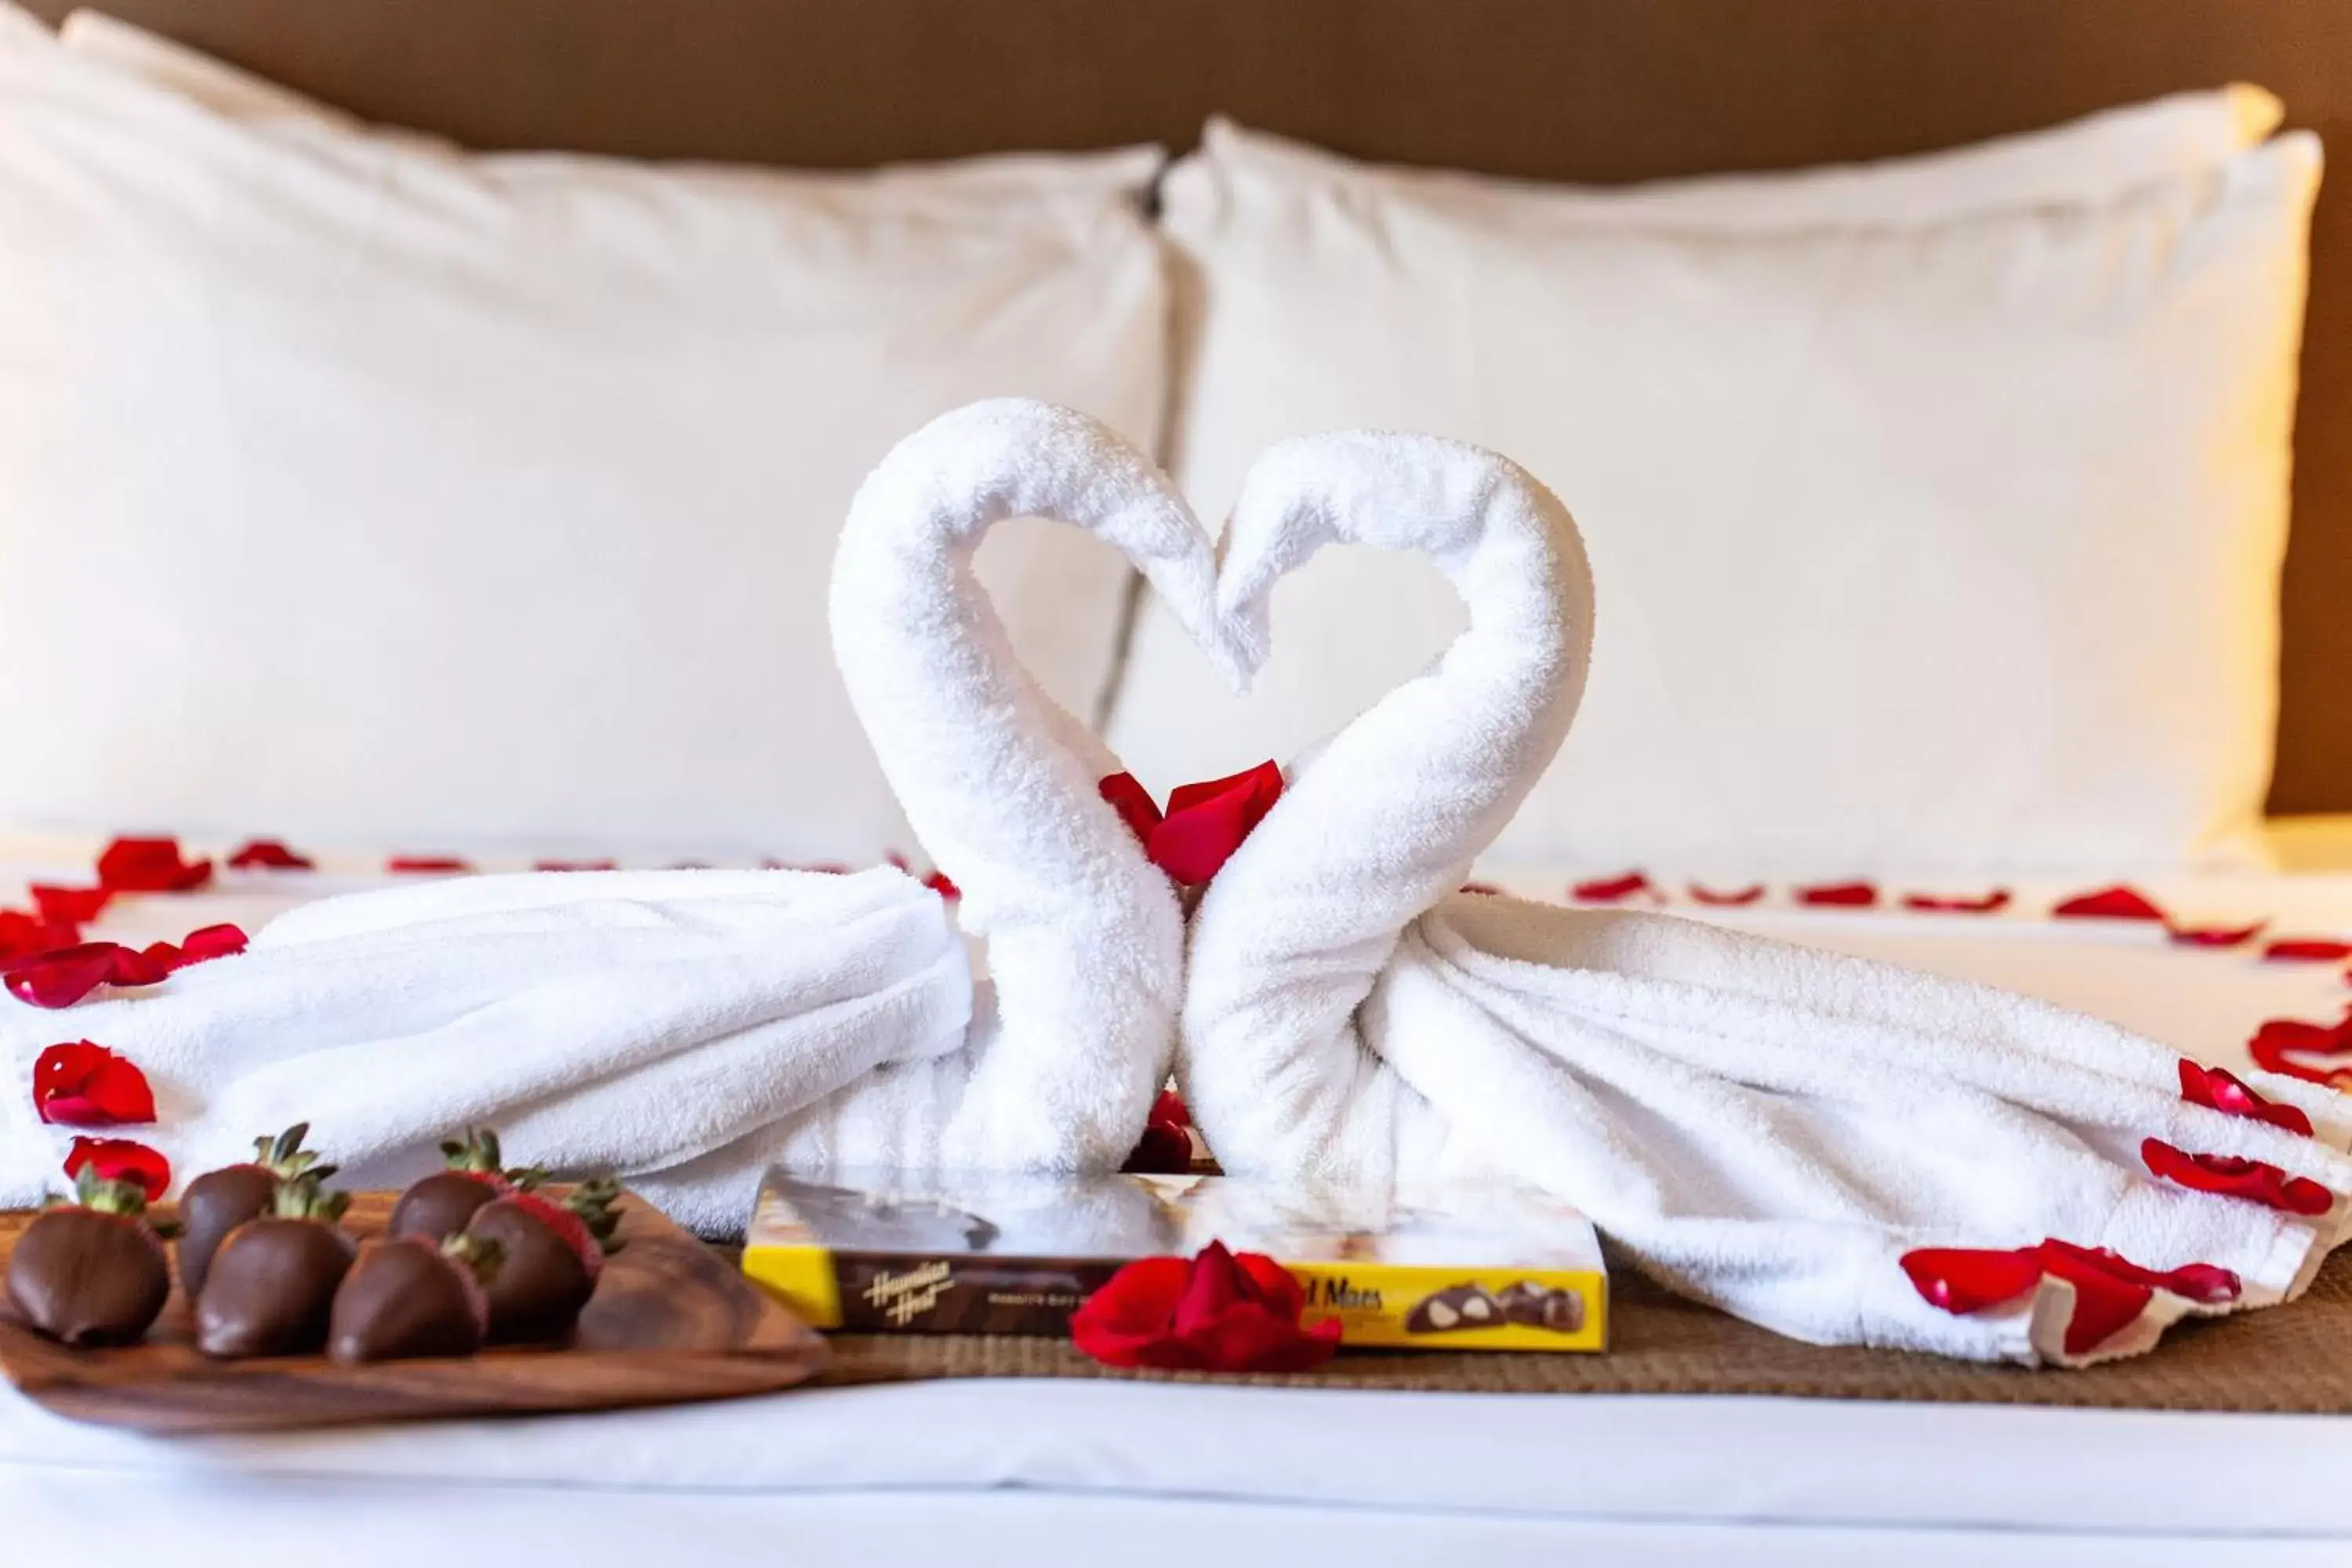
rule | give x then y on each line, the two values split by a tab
670	1323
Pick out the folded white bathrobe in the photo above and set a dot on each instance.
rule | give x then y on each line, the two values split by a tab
1761	1126
685	1028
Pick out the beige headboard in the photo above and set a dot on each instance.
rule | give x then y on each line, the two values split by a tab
1582	90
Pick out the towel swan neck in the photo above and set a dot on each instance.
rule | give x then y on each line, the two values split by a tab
999	784
1384	820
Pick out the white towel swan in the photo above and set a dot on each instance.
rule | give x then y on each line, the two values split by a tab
686	1028
1761	1126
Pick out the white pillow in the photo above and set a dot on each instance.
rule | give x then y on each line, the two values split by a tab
1934	529
354	487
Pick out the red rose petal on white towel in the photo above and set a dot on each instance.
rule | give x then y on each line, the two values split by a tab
1839	895
2256	1181
2307	950
2220	1089
1963	1280
2115	903
24	936
2207	1283
1613	890
1722	898
1946	904
1206	822
82	1084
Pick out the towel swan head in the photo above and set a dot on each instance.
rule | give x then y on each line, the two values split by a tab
1086	937
1384	819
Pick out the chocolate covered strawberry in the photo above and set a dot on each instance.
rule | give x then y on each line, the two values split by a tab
441	1204
91	1271
219	1201
271	1286
408	1296
553	1252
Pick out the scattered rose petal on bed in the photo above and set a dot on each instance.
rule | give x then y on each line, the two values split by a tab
2206	1283
1166	1146
942	884
150	866
2278	1045
2214	936
1989	904
83	1084
2257	1181
1220	1312
1964	1280
1839	895
269	855
1727	898
2307	950
24	936
70	906
208	942
121	1160
1615	889
420	865
2220	1089
2115	903
575	864
1206	822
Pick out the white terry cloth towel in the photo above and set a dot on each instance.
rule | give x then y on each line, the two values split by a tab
1760	1126
685	1028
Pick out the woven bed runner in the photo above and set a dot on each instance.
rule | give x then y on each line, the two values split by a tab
2290	1359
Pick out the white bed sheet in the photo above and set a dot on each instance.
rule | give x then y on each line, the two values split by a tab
1011	1471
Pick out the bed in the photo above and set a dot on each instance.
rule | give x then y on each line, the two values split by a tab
1598	90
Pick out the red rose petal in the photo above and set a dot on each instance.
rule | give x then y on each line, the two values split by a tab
2115	903
2278	1046
121	1160
2203	1282
2214	936
24	936
1963	1280
1719	898
150	866
269	855
2256	1181
82	1084
1218	1312
2307	950
2221	1090
407	865
1133	802
939	882
1839	895
1946	904
1206	822
69	906
64	977
1613	890
2105	1303
209	942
